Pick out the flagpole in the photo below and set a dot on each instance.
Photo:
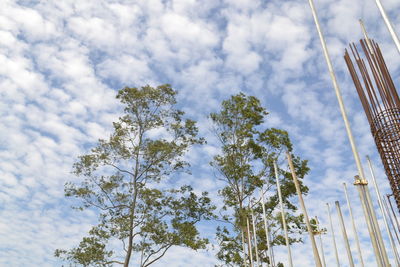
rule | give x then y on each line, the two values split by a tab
278	186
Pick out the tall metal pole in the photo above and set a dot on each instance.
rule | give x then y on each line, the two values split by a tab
278	186
333	235
378	194
244	251
345	238
376	226
255	237
320	242
390	218
249	242
266	227
359	185
388	25
354	225
394	213
303	207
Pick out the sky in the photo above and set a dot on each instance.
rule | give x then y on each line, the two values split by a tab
62	62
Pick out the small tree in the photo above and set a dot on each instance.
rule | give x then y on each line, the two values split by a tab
246	166
120	178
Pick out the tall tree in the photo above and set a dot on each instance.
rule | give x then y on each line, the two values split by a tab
120	180
245	164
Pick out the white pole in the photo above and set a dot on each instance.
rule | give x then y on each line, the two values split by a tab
249	241
354	225
244	251
320	242
303	207
333	235
255	237
388	25
345	238
390	218
266	228
278	186
378	194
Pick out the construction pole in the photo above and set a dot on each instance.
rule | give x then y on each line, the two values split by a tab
244	251
255	237
345	238
377	228
333	235
390	218
303	207
359	185
319	232
283	214
249	241
266	228
342	110
378	194
394	213
388	25
353	225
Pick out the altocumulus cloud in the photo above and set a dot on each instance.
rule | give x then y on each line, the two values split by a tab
62	62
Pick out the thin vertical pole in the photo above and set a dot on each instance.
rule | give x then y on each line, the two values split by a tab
255	237
249	242
359	185
283	214
388	25
390	218
333	235
394	213
345	238
244	251
377	228
320	242
378	194
303	207
266	228
353	225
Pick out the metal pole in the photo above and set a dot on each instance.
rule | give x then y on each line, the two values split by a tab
255	237
303	207
244	250
266	227
394	213
390	218
338	93
320	242
377	228
378	194
388	25
333	235
278	186
354	225
345	238
249	242
359	185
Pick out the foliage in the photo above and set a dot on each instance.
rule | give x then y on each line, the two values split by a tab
245	164
120	178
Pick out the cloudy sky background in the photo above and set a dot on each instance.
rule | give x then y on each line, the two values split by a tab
62	62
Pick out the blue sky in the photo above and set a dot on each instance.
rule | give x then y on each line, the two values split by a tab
63	61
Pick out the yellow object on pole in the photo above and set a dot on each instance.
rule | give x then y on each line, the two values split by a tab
303	207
